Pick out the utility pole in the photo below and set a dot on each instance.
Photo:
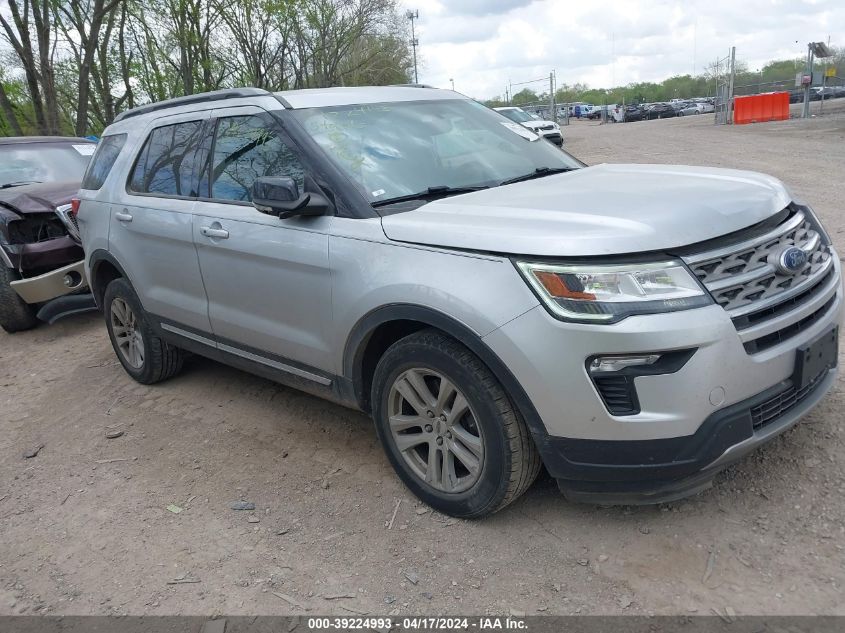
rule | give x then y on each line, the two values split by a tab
414	15
805	109
453	84
730	105
824	80
552	113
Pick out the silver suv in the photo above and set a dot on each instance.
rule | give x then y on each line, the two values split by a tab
491	301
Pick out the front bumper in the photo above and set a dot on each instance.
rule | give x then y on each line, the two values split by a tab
690	423
56	283
658	471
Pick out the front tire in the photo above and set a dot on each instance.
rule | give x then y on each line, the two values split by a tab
16	314
449	429
144	355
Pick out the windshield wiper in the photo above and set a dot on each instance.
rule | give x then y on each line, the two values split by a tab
537	173
7	185
439	191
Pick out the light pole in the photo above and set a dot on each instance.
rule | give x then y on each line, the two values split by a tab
814	49
453	84
414	15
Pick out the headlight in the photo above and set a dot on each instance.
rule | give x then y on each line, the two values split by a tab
609	293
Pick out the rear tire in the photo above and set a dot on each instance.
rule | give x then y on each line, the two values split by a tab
449	428
144	355
15	314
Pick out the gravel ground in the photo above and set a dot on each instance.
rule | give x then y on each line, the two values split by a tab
86	528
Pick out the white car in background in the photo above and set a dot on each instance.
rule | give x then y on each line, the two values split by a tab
549	130
705	107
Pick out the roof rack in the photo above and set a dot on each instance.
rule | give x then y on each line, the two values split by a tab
202	97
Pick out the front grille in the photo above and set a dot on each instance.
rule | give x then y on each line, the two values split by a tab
744	279
770	340
781	403
36	228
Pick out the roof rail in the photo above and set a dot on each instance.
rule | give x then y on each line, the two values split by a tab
202	97
410	86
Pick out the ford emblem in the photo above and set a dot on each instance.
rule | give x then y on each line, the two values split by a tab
791	260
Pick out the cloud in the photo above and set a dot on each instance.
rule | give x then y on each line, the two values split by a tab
486	44
485	7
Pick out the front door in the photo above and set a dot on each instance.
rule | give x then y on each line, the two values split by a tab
267	280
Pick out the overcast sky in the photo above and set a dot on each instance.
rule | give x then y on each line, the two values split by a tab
484	44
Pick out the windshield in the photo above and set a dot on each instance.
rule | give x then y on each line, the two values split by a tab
519	116
403	148
43	162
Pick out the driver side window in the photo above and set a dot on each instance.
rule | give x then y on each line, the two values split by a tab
245	148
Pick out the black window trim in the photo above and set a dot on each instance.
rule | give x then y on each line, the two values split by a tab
160	123
349	201
283	136
97	148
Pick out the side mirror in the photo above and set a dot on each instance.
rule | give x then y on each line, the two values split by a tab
280	196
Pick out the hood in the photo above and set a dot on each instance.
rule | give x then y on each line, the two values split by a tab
601	210
41	197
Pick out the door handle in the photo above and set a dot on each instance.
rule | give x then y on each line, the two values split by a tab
123	216
220	234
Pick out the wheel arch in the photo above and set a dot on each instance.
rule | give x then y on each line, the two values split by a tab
104	269
376	331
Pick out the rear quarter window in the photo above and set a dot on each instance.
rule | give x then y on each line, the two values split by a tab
107	152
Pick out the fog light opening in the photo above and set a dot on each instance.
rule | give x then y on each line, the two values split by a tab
72	279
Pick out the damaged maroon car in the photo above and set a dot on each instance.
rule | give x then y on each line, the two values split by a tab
41	271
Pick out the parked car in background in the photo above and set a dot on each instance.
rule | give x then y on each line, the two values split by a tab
705	107
549	130
492	302
608	110
686	108
797	95
829	92
41	272
660	111
633	112
587	109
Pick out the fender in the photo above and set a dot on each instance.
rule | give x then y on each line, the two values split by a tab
363	330
95	261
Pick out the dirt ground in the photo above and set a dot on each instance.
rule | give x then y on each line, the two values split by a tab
85	526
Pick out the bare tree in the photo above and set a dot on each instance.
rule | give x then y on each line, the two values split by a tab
32	17
81	62
260	44
85	18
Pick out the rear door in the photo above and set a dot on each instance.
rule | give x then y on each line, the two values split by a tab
151	231
267	280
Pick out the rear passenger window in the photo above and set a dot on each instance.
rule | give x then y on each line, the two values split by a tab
107	152
166	164
246	148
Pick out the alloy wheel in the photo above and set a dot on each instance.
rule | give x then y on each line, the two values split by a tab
127	335
435	430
